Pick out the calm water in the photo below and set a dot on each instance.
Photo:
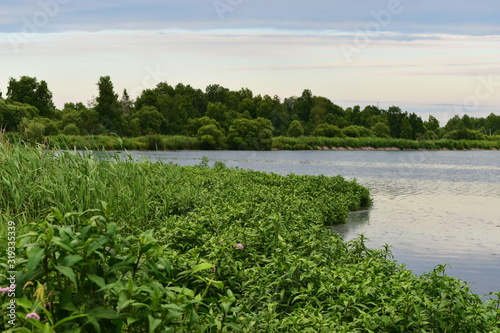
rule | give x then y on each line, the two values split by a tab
440	207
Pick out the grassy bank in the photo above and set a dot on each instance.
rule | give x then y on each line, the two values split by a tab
151	247
306	143
164	142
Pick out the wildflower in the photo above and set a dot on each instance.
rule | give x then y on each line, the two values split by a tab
4	290
239	246
33	315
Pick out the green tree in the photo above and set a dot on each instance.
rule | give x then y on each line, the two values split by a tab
195	124
29	91
395	118
492	124
147	120
246	134
216	111
328	131
31	130
127	106
406	129
381	130
453	124
295	130
107	105
11	114
211	137
71	129
432	124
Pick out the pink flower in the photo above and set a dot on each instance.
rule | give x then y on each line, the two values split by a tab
33	315
239	246
4	290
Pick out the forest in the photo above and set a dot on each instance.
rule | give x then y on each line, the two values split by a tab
218	117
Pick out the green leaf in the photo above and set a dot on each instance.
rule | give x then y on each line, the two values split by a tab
70	318
131	320
153	323
34	258
218	284
68	272
202	267
97	280
103	313
123	304
70	260
64	246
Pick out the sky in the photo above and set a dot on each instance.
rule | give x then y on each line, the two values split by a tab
439	58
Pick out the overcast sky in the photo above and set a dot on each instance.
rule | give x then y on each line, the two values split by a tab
430	57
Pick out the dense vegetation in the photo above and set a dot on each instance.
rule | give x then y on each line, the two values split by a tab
219	118
111	245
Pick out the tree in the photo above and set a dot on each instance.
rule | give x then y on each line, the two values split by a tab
328	131
195	124
295	130
432	124
381	130
29	91
211	137
126	104
147	120
395	118
107	105
406	129
246	134
454	124
31	130
417	125
11	114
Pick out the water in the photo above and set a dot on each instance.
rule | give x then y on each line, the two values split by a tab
432	208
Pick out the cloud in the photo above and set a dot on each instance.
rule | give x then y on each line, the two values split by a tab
403	16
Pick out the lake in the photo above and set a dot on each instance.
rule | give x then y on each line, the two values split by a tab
431	207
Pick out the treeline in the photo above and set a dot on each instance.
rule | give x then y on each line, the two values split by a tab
219	117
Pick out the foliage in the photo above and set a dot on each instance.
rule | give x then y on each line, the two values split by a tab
210	137
295	130
12	113
198	249
246	134
31	130
183	110
28	90
107	105
328	131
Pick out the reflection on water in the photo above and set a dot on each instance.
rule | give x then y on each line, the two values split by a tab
354	226
439	207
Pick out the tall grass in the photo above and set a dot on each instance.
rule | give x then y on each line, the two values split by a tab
125	246
100	142
308	142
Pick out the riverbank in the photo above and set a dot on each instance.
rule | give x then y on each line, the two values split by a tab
210	249
159	142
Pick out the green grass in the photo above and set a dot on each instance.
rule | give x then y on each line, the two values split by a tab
124	246
179	142
102	142
308	142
